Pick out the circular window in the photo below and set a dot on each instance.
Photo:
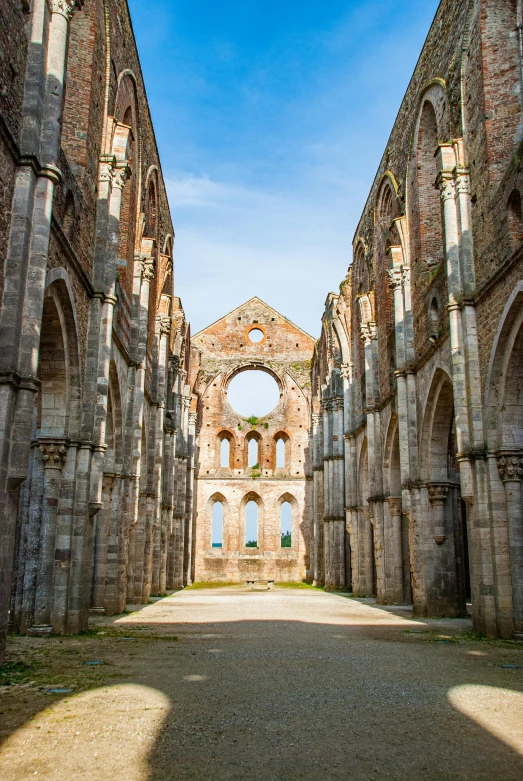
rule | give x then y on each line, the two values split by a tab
253	393
256	335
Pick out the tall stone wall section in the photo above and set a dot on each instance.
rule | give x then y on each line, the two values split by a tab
432	418
96	349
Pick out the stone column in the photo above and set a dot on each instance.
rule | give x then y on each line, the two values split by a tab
317	508
114	541
163	324
510	466
395	509
145	271
189	522
438	493
53	457
101	544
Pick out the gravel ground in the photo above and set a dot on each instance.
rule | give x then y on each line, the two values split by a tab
263	686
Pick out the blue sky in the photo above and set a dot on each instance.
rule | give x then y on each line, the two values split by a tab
271	118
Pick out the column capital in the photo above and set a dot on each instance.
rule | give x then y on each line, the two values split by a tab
147	269
395	505
337	403
395	276
447	186
163	323
346	371
54	454
462	181
368	331
67	8
510	466
438	492
120	176
316	418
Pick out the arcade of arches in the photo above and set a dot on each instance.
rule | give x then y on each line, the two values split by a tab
391	463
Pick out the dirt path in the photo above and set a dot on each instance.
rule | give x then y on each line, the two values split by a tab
271	686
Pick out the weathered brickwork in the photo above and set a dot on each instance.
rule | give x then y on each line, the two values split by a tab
94	438
432	462
220	352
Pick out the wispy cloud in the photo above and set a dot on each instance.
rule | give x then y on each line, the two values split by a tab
234	242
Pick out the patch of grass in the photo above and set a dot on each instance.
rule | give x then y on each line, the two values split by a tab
210	584
253	420
299	584
478	637
12	673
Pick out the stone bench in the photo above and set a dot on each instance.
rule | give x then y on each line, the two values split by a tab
260	585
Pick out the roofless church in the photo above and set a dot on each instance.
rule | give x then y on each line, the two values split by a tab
391	463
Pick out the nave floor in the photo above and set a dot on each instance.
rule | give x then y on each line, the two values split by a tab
221	684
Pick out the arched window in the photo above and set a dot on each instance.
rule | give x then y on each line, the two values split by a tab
430	245
251	524
286	525
253	459
217	524
225	452
434	317
515	219
280	453
68	221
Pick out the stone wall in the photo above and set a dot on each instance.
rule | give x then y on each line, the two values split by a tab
432	420
220	352
93	375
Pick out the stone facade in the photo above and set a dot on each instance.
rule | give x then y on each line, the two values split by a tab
95	347
421	350
219	353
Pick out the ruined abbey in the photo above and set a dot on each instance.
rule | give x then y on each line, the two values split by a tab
396	445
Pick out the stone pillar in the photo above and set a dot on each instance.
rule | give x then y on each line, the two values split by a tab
114	541
395	510
53	457
190	511
161	460
438	493
510	466
144	266
101	543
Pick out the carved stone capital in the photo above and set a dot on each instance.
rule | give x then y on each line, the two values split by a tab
337	403
148	269
510	467
438	492
316	419
193	418
368	331
463	183
447	187
346	371
66	8
106	172
395	505
186	402
395	276
120	176
326	405
53	454
163	323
